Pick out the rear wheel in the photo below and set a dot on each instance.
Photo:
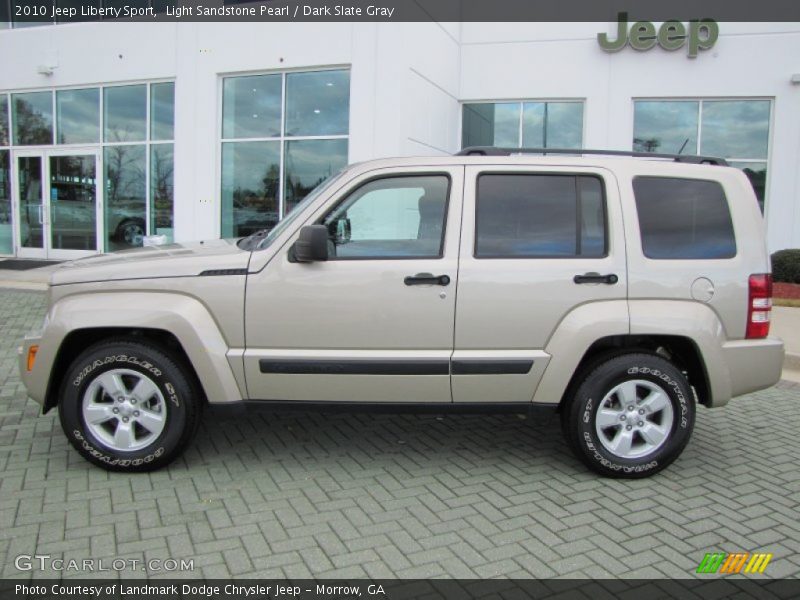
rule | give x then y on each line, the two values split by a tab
128	406
631	416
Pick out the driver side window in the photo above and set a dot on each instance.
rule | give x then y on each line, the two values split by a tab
392	217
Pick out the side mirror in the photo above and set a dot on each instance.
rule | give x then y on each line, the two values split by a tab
312	244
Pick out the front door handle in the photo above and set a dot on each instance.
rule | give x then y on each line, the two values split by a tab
609	279
427	279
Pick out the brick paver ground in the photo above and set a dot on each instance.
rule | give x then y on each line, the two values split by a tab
298	495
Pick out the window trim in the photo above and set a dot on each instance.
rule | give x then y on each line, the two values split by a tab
575	175
351	190
705	180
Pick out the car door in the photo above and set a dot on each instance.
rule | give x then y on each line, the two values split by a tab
536	244
375	322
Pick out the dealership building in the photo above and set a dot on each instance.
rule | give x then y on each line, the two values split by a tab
113	131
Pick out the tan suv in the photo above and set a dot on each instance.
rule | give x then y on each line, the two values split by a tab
619	291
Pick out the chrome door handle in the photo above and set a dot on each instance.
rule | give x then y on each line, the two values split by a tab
41	215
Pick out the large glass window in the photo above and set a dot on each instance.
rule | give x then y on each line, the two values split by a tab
282	134
394	217
318	103
539	216
307	163
126	195
683	218
125	113
3	120
6	235
162	190
32	118
523	124
251	106
162	111
250	178
737	130
78	116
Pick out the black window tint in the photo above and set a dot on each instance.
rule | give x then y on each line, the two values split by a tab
394	217
539	216
683	218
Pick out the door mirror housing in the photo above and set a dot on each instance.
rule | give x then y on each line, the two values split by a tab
312	244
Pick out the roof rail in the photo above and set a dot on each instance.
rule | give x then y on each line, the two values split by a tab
684	158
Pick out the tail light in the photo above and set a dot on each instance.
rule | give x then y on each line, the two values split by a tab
759	305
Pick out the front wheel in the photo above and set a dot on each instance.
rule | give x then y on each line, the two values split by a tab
631	416
128	406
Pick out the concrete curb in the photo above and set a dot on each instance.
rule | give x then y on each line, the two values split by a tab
791	361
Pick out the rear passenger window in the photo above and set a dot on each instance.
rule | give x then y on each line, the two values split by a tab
540	216
683	218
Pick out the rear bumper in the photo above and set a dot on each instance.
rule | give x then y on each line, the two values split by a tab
752	365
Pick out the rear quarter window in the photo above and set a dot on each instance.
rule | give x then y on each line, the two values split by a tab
683	218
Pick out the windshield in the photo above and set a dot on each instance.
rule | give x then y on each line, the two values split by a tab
262	239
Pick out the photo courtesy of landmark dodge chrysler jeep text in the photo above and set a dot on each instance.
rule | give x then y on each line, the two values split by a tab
621	291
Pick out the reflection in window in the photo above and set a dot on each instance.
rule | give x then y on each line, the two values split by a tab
32	118
318	103
73	207
126	188
162	111
125	113
391	217
528	124
250	178
307	164
78	116
3	120
251	106
669	127
161	190
491	125
737	130
6	237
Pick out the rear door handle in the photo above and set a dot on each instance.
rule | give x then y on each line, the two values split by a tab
609	279
427	279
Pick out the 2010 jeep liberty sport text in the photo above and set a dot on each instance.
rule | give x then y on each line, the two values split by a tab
619	291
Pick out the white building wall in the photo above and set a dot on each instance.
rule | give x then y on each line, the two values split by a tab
408	80
547	60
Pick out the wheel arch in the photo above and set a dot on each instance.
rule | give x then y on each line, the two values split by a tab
682	351
78	340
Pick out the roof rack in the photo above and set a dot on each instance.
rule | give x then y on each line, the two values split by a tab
684	158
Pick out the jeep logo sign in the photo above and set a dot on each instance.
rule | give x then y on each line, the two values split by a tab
671	36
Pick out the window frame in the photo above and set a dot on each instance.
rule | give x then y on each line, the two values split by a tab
574	174
282	138
701	179
521	102
354	188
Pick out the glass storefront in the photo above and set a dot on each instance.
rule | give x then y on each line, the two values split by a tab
545	124
281	135
737	130
112	144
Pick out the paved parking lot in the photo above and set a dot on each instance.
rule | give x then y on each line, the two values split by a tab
302	495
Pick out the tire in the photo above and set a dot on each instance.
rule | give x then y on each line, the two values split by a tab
130	232
150	427
617	442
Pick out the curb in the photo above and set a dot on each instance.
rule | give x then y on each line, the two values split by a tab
791	361
31	286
